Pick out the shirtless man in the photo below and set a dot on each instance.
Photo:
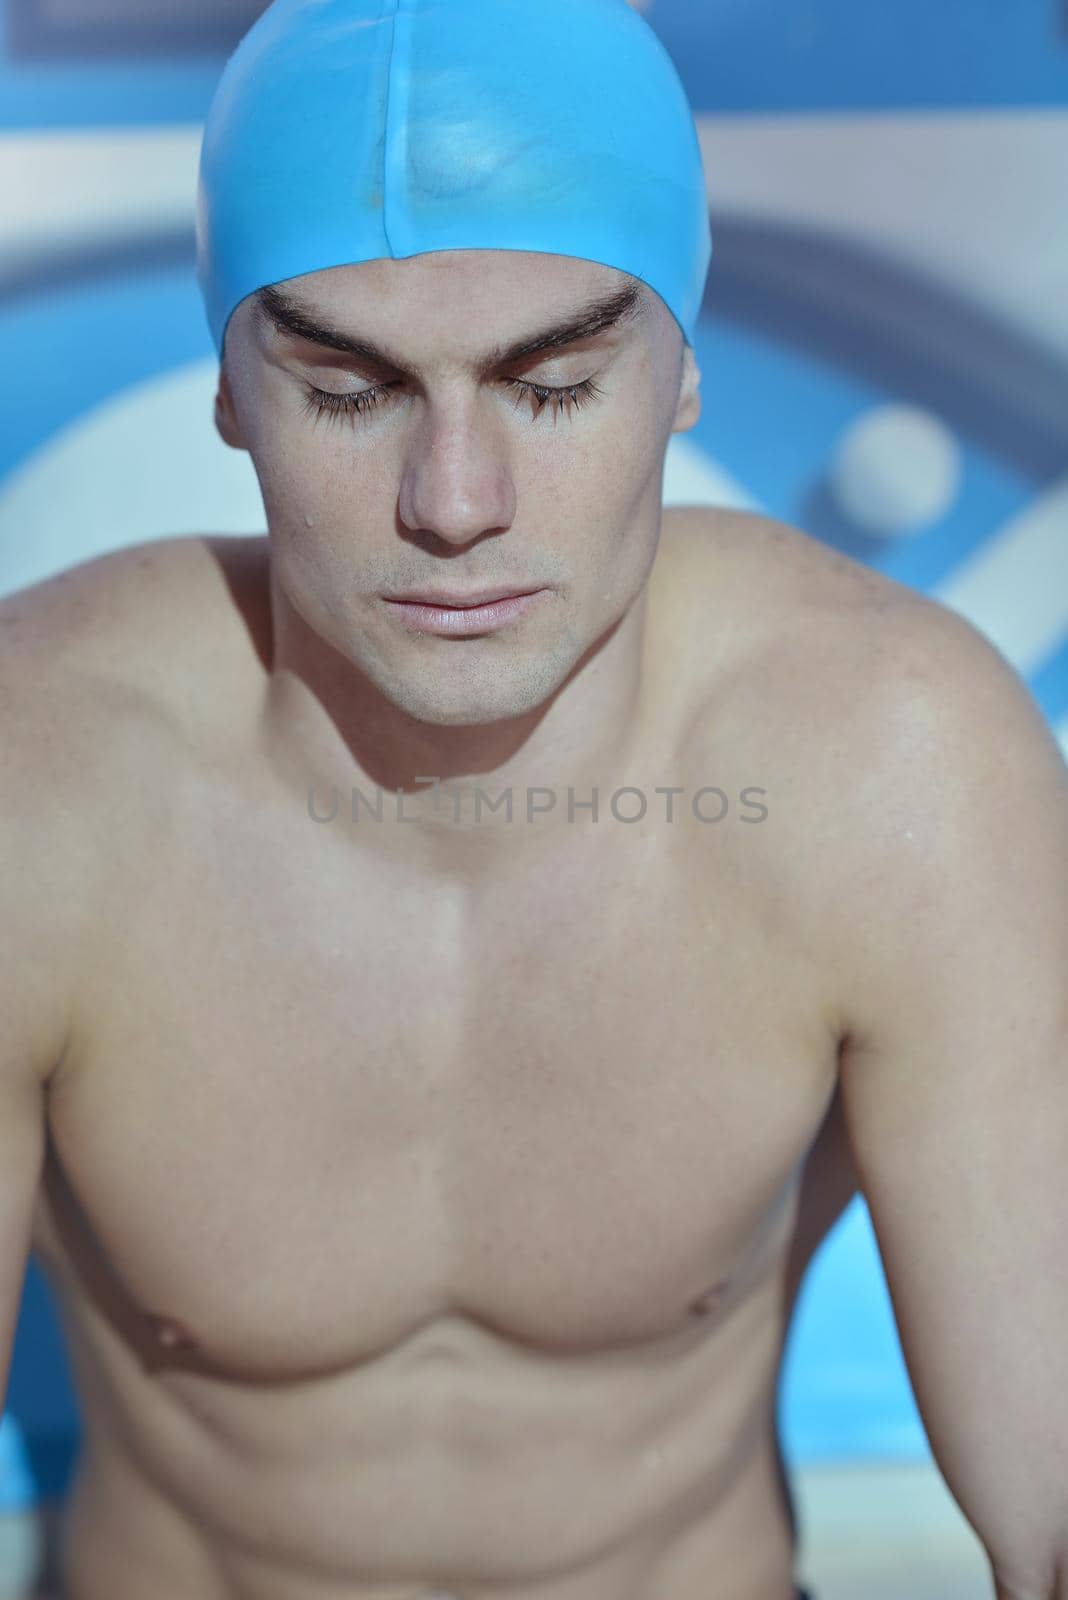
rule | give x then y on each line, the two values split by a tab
426	1186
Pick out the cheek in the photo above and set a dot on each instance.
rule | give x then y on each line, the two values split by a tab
307	478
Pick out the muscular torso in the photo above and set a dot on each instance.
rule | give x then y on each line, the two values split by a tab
425	1234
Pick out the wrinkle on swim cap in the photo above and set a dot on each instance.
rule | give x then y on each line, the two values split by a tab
355	130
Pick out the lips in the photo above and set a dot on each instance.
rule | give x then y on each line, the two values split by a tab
467	621
458	602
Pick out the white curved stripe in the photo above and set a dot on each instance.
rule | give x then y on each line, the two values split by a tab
146	464
973	197
693	478
71	190
1015	588
1061	732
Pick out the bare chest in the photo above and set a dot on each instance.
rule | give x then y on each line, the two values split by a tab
320	1107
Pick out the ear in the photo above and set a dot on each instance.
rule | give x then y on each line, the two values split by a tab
226	413
689	407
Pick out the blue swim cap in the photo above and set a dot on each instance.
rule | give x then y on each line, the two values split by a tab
352	130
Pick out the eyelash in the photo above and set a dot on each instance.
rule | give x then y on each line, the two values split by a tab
321	402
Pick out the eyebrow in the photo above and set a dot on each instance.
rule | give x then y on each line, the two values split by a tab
287	315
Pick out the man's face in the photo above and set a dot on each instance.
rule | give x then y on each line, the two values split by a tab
435	465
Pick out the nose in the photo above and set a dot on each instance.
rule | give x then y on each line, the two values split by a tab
457	481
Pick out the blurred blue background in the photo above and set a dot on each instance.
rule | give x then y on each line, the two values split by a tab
884	346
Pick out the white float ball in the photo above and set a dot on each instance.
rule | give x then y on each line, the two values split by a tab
896	471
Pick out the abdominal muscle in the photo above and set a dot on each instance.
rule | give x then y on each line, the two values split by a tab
455	1465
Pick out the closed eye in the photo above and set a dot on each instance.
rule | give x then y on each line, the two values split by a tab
320	402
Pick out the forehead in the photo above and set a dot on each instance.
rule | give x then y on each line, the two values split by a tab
439	278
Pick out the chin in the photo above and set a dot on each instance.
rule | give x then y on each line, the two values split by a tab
478	700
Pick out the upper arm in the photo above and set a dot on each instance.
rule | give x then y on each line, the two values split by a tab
31	1040
22	1142
37	895
954	1075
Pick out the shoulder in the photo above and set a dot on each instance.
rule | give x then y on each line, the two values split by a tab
781	625
953	859
884	656
109	677
959	809
915	687
749	555
115	613
144	633
908	766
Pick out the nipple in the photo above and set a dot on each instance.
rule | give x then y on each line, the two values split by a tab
708	1301
168	1332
